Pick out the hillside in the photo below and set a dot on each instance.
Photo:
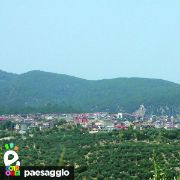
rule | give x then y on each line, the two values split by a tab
42	89
115	155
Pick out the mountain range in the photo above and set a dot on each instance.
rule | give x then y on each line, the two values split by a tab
39	91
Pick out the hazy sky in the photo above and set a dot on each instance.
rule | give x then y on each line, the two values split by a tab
92	39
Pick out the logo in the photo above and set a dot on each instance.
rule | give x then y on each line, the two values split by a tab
13	168
12	165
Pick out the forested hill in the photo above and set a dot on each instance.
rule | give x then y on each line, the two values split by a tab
57	92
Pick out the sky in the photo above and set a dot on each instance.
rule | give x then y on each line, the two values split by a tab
92	39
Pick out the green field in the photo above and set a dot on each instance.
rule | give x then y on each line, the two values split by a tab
116	155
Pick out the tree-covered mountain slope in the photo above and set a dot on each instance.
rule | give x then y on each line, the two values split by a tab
38	89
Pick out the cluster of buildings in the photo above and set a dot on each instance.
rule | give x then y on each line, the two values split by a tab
107	122
23	122
94	122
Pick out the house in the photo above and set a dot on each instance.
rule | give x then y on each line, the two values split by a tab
118	127
81	119
3	118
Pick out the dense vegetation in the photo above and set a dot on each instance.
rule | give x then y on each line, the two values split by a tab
114	155
35	91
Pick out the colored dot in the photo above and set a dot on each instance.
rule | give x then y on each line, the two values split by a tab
11	145
16	148
6	146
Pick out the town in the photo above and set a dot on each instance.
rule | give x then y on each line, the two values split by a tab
94	122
